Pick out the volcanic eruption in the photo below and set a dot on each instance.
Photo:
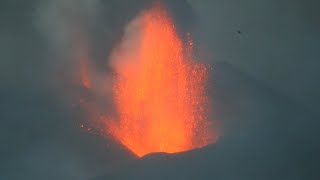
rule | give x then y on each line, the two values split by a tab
159	90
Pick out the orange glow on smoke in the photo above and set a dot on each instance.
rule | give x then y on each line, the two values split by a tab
84	74
160	91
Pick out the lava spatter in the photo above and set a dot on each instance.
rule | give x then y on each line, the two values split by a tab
160	91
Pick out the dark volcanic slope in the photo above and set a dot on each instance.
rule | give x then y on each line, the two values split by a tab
265	136
40	139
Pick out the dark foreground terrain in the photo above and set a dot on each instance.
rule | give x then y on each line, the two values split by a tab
266	136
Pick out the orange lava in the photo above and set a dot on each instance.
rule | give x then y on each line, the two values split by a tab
160	91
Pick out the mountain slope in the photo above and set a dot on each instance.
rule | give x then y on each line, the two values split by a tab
264	136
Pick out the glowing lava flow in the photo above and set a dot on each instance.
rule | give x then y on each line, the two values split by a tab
160	91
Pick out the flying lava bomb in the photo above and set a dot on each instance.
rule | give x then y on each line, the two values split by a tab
159	90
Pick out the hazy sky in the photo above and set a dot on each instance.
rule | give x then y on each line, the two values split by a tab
279	43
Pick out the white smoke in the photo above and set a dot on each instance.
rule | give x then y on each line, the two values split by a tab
63	21
66	26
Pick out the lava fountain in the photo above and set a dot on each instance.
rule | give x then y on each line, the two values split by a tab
160	89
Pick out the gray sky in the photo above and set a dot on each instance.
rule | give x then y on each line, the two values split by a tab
279	44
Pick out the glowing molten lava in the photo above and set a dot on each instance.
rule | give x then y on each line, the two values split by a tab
160	90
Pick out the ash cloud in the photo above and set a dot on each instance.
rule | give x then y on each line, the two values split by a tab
41	43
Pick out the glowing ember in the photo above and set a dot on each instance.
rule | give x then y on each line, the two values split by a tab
159	91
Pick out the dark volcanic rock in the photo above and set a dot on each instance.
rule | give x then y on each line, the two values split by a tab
264	136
